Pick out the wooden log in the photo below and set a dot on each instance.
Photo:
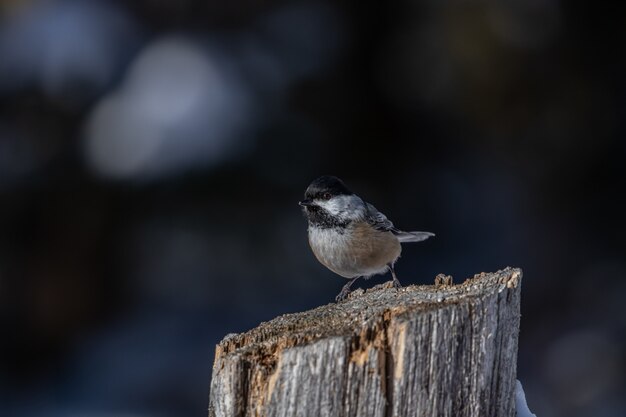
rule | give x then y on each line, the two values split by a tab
439	350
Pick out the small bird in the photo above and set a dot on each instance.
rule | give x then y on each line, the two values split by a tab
349	236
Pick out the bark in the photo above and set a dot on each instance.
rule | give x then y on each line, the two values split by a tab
438	350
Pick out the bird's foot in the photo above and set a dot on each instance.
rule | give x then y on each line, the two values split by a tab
396	283
345	290
343	294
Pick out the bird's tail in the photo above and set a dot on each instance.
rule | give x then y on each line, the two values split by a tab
405	237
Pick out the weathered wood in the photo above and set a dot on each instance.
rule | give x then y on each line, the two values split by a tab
441	350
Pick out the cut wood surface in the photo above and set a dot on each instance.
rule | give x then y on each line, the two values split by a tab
434	350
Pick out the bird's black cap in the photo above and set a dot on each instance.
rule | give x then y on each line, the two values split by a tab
326	185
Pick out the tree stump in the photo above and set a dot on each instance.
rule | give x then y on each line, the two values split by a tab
437	350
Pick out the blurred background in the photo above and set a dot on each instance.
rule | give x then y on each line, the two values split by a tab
152	154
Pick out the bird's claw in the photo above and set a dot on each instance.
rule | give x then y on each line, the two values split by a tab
342	295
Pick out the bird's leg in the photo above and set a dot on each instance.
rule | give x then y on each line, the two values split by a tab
345	290
396	283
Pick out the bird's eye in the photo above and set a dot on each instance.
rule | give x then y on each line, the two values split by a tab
326	196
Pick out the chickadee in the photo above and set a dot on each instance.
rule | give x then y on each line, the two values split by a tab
349	236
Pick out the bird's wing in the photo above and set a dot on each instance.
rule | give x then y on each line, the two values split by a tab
378	220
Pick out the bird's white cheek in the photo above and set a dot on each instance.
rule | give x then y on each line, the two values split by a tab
328	207
343	207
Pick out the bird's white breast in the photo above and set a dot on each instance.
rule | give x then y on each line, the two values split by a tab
357	250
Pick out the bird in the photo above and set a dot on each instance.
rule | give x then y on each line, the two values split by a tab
350	236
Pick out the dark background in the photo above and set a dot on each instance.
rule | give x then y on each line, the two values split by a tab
152	154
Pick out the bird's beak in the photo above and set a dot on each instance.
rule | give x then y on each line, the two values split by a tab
306	203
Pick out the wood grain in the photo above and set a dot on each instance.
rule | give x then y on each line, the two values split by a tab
440	350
